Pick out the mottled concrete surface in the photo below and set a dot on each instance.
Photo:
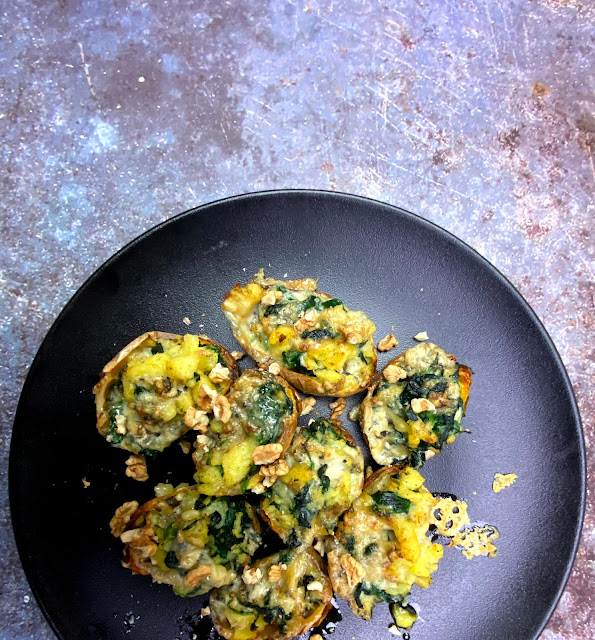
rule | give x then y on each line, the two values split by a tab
479	115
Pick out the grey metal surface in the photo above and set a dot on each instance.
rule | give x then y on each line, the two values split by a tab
477	115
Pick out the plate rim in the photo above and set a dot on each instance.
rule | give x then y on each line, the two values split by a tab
28	565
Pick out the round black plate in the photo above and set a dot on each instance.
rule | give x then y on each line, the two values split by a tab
404	272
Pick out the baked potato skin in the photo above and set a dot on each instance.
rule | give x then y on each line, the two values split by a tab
310	563
147	540
364	567
314	449
413	450
111	371
239	429
328	376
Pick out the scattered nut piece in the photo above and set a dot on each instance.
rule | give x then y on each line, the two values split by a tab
251	576
269	481
267	453
272	296
387	343
185	446
205	611
121	424
394	373
275	369
186	321
206	396
422	404
279	468
354	570
222	409
196	575
237	355
315	586
122	517
258	488
353	415
219	373
86	483
136	468
307	321
196	419
421	336
337	407
392	628
308	404
202	440
128	536
276	573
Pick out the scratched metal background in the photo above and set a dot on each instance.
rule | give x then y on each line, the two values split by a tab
477	114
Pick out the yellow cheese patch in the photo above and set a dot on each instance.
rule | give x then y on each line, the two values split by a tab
503	480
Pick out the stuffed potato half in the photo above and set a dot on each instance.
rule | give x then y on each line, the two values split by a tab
278	597
325	473
254	432
190	541
144	392
321	346
415	406
380	549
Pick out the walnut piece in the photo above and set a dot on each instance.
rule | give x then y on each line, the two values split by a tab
186	321
307	321
206	396
185	446
121	424
274	368
196	419
267	453
258	488
354	570
251	576
196	575
315	586
136	468
308	404
122	517
222	409
337	407
219	373
421	336
421	404
271	297
276	572
279	468
387	343
394	373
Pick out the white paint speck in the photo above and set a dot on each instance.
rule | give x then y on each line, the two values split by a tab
141	78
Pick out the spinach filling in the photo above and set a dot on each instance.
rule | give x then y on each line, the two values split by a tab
325	481
221	536
319	334
270	407
387	503
367	589
293	360
300	506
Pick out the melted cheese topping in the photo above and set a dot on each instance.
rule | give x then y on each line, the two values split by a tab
451	520
260	412
326	474
502	481
159	381
304	331
381	549
266	609
394	431
193	531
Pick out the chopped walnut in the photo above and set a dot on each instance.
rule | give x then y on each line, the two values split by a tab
141	540
394	373
222	409
205	611
237	355
186	321
274	368
251	576
421	404
269	481
122	517
196	575
206	396
258	488
121	424
354	337
421	336
307	321
387	343
271	297
196	419
267	453
136	468
276	572
219	373
337	407
308	404
279	468
185	446
315	586
354	570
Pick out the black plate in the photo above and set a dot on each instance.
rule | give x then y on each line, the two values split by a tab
403	271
